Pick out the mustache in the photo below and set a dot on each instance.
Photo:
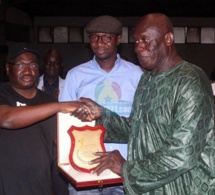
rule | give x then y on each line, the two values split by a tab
26	75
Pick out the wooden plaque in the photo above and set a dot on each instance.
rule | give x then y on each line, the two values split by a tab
84	142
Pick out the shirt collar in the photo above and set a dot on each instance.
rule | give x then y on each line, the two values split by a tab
118	63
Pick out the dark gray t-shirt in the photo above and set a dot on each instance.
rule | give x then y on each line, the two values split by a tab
26	154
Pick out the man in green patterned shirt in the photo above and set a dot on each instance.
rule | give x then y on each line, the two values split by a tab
170	132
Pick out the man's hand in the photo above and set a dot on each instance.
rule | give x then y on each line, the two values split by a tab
90	111
108	160
70	107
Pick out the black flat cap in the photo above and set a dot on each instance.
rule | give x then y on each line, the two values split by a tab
20	48
104	24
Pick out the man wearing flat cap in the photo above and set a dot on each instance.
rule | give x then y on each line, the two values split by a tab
28	129
108	79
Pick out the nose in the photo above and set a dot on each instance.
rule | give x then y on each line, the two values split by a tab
99	41
27	69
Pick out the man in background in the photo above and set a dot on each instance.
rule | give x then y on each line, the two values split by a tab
50	82
107	78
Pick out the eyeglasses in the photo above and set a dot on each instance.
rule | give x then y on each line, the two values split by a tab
55	64
21	65
104	38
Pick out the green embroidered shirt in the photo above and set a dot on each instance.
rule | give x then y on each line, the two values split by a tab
170	134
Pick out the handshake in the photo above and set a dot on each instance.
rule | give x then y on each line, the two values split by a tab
87	110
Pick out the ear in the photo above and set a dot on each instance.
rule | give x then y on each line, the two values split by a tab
119	38
169	38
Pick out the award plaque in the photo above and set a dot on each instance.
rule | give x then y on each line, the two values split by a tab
76	142
84	142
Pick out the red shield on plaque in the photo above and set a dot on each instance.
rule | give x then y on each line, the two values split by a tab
84	141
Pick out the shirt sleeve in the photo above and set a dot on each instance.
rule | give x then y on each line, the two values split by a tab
118	127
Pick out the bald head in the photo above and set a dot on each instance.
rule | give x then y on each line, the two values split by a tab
52	64
52	52
154	40
158	21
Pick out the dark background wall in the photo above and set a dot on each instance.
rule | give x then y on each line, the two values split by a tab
76	53
203	55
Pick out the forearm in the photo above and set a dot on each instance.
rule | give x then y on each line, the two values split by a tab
19	117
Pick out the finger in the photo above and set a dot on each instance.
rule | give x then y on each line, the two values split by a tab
102	153
80	114
89	114
86	109
88	118
103	156
78	111
99	169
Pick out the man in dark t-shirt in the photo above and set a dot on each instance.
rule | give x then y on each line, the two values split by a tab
28	163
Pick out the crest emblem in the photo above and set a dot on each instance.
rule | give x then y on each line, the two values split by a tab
84	142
